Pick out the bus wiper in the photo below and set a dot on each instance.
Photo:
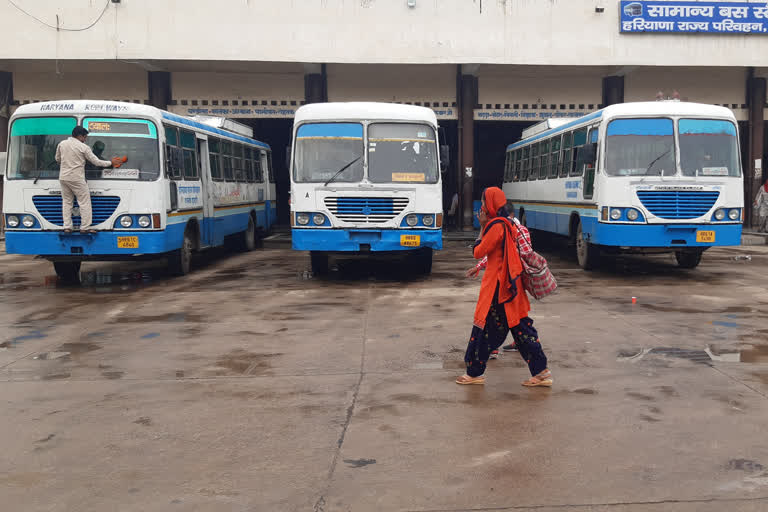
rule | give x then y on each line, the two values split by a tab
656	160
341	170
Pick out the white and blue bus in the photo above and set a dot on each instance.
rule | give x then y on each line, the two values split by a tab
636	177
366	178
187	185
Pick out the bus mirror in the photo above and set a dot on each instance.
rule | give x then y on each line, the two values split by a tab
445	157
288	157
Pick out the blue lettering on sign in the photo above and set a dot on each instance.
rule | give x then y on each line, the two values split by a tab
572	195
573	184
191	200
713	17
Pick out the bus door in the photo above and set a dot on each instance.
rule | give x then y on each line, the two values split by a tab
207	184
590	170
267	189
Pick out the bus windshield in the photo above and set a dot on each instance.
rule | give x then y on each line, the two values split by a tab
34	141
640	147
324	149
708	147
399	153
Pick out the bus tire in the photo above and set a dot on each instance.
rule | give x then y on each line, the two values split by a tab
688	259
180	260
587	254
319	262
68	271
424	261
247	239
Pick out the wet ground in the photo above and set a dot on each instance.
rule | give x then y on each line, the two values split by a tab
251	385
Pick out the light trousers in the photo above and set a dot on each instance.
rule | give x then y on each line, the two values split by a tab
70	190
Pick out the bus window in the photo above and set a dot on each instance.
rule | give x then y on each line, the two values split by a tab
190	157
544	163
237	162
33	144
644	147
270	171
214	149
579	139
526	163
566	159
534	172
226	160
516	165
708	147
554	166
506	167
258	173
174	158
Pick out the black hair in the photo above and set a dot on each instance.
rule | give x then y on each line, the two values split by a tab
79	131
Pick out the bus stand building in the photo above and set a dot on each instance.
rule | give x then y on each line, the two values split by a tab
489	69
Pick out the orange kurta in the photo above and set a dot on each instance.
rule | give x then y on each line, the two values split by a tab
501	264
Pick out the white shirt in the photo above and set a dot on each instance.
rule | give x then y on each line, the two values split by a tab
71	154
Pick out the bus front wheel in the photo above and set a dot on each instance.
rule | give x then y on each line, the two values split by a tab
422	261
248	237
180	260
68	271
319	263
586	253
688	259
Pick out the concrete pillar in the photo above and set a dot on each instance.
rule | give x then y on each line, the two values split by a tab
6	99
753	178
467	96
159	89
315	83
613	90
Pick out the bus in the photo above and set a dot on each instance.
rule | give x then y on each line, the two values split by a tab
645	177
187	185
365	179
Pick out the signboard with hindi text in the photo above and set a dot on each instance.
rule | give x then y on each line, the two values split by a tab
692	17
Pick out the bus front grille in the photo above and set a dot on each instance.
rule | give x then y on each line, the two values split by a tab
50	208
678	204
366	210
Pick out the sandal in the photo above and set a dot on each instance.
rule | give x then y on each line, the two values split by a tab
466	380
543	379
88	232
67	231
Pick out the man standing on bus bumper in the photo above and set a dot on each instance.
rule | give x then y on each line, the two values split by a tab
71	155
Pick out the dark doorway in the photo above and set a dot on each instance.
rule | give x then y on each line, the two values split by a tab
276	133
449	135
491	141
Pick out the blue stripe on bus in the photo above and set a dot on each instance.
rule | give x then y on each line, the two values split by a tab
555	131
211	129
349	240
657	127
331	130
706	127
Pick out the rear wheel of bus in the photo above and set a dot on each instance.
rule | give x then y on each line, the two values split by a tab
247	239
319	262
68	271
587	254
688	259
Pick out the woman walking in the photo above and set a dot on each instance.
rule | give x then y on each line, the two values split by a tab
761	203
502	302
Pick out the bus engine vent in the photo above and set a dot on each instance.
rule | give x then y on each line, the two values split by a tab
678	204
50	208
369	210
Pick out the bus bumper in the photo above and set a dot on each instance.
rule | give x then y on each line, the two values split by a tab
664	235
74	246
342	240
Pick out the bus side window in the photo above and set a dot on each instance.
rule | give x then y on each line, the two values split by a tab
579	140
533	174
506	167
567	158
516	165
190	157
214	148
526	163
237	162
257	170
226	160
544	165
554	166
174	159
269	167
247	164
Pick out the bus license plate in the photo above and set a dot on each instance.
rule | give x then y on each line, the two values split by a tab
127	242
705	237
410	240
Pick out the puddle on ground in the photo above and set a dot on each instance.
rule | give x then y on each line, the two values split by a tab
168	317
31	335
78	348
754	354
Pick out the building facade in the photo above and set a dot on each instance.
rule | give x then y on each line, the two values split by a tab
489	68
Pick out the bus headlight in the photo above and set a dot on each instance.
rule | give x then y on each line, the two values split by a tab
144	221
632	214
318	219
428	220
28	221
302	219
126	221
734	214
615	214
412	220
720	214
13	221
